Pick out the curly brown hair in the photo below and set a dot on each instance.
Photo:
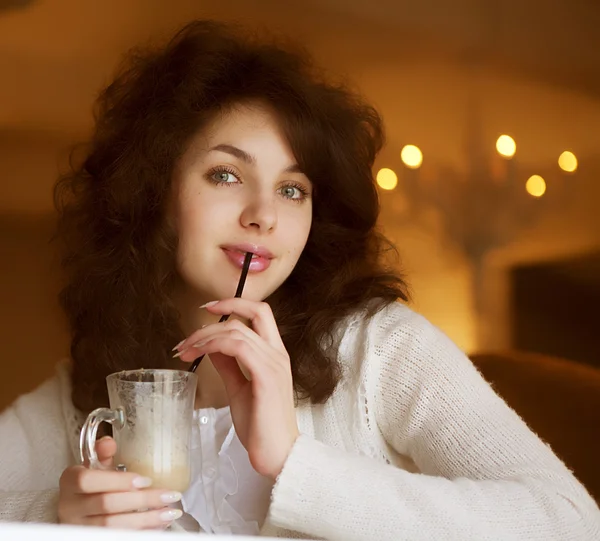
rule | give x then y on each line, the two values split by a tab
119	249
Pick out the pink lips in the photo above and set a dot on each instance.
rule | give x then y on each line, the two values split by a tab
261	259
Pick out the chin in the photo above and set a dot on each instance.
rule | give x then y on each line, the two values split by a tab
258	287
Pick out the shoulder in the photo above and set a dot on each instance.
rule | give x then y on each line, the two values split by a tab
46	399
395	327
46	413
402	330
395	343
411	372
38	442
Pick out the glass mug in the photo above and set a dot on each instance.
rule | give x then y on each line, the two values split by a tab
151	412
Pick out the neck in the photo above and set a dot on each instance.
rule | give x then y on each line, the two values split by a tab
210	392
192	317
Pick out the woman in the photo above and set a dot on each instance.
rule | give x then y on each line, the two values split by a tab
359	419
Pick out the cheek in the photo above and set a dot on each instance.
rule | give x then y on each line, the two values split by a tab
190	224
297	234
198	214
305	228
193	231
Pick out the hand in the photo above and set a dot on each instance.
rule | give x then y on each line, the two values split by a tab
262	407
111	498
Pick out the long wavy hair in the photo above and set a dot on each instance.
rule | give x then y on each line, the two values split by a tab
119	251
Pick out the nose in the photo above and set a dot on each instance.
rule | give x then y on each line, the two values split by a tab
259	213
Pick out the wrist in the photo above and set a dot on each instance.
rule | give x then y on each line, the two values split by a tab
274	474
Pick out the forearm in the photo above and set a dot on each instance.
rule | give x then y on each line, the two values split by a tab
329	493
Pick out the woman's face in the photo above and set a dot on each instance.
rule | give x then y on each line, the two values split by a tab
240	189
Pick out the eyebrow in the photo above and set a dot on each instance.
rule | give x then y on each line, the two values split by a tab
248	158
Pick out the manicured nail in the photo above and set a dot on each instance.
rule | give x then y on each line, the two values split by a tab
171	514
179	354
200	344
170	497
142	482
208	304
178	345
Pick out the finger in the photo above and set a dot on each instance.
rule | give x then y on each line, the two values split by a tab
137	521
259	314
106	448
215	329
81	480
111	503
256	362
263	351
236	331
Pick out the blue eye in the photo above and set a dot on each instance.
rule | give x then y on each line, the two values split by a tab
293	192
222	176
290	191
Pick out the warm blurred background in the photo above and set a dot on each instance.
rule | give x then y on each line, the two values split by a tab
490	178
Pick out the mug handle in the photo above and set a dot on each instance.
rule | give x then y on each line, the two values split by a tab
89	431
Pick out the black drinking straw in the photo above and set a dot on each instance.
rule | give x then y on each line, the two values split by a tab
238	293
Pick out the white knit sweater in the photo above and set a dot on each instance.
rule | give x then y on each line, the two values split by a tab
413	445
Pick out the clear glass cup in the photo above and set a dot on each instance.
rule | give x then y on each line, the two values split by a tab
151	412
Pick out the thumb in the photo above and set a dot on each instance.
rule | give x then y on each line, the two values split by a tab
106	448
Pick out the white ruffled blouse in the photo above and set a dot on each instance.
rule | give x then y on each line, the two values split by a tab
226	495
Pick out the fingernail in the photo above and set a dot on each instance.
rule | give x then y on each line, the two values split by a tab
142	482
200	344
178	345
170	497
105	438
179	354
208	304
170	515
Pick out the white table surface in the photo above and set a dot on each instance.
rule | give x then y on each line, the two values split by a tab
12	531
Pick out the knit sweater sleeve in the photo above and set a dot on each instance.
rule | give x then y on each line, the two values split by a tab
29	505
483	474
33	452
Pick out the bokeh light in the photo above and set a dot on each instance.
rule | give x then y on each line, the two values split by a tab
412	156
387	179
506	146
567	161
536	186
